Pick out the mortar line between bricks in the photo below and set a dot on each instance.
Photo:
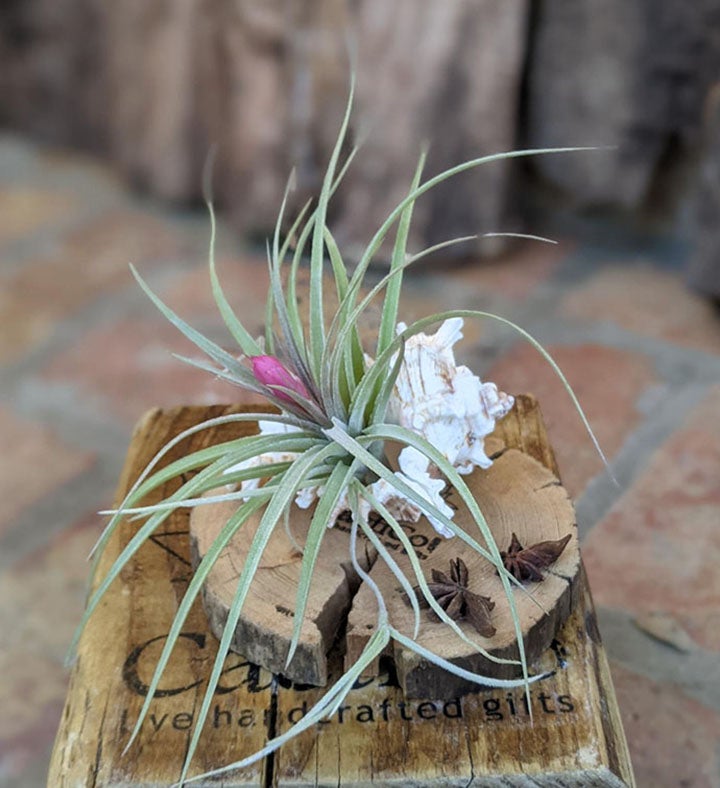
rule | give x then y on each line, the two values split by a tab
696	672
674	362
633	457
38	523
124	302
18	254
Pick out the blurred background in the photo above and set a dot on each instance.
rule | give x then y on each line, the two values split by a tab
107	114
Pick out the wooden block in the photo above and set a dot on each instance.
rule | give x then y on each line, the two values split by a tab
378	737
123	640
381	737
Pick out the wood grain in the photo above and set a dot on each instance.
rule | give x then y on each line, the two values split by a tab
516	495
379	736
264	631
266	83
486	738
123	640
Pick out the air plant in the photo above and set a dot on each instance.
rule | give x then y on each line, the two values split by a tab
337	407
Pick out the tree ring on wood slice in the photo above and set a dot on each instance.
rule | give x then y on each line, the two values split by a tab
516	494
264	630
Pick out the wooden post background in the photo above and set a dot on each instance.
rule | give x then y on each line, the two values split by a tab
377	737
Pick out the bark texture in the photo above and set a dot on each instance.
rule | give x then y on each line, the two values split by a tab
155	85
704	268
633	75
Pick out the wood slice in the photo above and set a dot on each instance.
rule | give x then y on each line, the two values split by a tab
516	495
265	627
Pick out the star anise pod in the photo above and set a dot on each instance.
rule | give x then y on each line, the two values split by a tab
527	563
454	597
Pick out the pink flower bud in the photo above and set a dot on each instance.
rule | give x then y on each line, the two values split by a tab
270	372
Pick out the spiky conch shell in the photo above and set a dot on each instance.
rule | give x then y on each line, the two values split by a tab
444	403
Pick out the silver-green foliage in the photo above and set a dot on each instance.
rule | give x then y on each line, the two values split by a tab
339	413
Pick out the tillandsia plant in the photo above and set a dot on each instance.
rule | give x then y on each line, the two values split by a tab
338	405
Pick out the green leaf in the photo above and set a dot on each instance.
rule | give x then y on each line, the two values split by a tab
292	408
325	707
247	380
392	296
379	236
269	333
526	236
401	536
290	306
185	464
294	343
289	186
356	450
365	578
292	301
431	656
293	318
317	322
190	462
267	471
338	265
336	390
248	345
377	401
383	617
304	405
344	321
336	484
291	482
477	678
227	532
277	264
288	531
210	348
389	560
251	446
409	438
344	326
415	328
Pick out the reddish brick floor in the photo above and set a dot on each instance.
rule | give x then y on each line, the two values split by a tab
83	354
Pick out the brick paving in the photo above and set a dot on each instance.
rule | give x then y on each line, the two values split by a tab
83	354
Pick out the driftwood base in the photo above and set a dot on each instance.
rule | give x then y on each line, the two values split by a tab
378	736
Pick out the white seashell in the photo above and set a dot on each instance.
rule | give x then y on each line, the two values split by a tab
306	497
444	403
404	509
